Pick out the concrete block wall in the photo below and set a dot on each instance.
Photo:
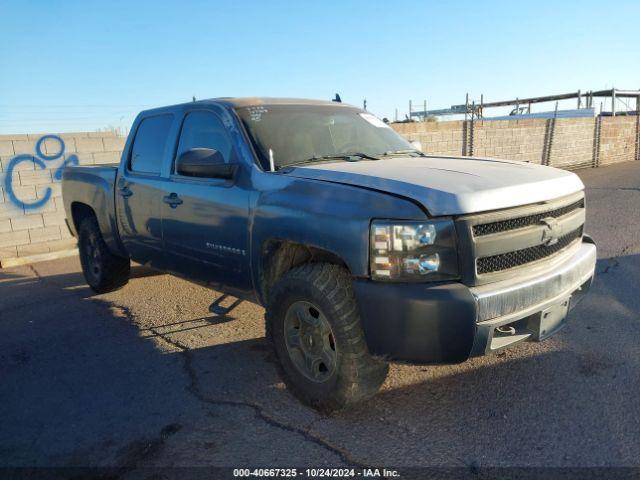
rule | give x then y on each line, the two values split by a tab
520	140
571	142
563	142
619	140
438	138
31	210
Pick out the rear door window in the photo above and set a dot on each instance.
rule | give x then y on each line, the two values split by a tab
149	144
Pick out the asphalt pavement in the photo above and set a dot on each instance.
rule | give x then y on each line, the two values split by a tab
146	376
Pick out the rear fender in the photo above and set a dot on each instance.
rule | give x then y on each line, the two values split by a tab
93	187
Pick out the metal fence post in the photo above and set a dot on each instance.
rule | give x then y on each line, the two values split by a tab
466	107
548	138
638	128
596	141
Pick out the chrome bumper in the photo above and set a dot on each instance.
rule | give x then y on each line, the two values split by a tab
520	303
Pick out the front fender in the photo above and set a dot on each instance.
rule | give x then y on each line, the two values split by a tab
325	215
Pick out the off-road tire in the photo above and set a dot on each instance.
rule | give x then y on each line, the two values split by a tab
357	375
103	271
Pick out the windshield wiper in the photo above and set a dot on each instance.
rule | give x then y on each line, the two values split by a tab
403	152
355	154
347	156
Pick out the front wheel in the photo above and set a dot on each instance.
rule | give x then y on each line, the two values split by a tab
103	271
314	326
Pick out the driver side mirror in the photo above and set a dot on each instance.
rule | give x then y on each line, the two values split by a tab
205	163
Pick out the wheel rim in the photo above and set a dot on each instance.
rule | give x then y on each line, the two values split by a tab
310	341
92	254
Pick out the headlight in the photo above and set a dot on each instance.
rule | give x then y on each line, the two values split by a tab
413	251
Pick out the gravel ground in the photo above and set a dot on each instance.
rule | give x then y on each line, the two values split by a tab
146	376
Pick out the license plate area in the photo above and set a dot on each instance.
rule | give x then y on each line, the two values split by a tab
549	320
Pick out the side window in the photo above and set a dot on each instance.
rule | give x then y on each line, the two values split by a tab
203	129
149	144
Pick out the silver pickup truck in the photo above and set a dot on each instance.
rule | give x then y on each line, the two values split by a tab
362	249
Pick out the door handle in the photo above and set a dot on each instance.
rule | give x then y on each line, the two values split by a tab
173	200
125	192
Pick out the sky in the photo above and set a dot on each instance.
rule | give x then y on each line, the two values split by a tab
69	65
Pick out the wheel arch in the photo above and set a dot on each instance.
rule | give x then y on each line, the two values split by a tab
278	256
80	211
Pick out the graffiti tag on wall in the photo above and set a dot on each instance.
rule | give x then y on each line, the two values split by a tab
40	159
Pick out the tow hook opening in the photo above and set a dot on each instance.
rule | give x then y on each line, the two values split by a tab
510	333
506	330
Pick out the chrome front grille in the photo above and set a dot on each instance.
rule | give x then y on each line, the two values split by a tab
505	241
504	261
520	222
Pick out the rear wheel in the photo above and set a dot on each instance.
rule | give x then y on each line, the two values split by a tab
103	271
314	325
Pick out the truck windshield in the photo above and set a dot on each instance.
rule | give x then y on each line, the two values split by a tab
298	133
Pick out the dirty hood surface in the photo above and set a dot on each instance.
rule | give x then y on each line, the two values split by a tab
451	185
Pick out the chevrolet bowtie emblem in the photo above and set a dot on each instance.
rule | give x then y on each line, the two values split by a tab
552	231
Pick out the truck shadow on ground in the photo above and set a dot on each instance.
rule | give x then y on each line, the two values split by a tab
84	385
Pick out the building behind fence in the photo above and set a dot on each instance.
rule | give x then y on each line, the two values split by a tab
32	215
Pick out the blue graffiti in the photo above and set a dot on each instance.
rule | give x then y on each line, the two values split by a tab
39	161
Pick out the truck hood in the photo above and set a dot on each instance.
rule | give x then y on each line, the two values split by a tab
451	185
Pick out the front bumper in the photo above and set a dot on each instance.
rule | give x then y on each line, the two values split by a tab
448	323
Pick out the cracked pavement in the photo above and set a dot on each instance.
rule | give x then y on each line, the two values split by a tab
146	376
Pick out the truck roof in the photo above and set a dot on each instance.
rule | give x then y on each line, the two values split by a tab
255	101
236	102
